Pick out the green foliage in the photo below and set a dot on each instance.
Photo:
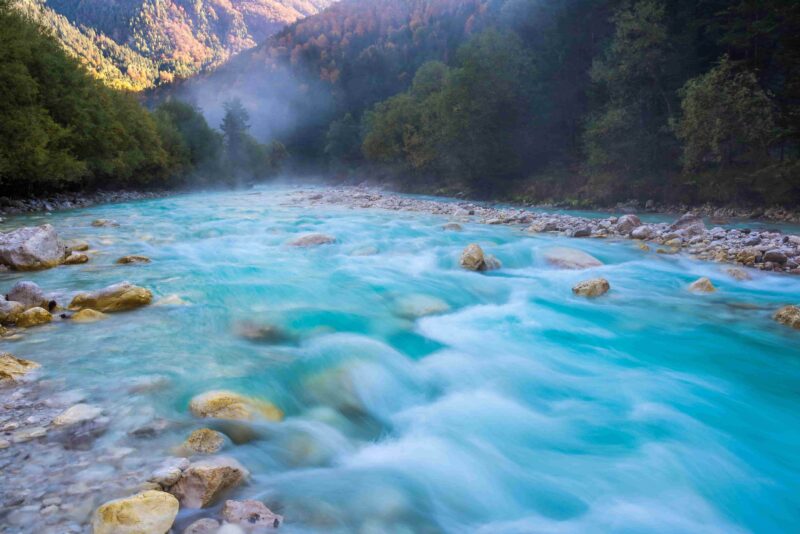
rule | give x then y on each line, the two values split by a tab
245	157
343	142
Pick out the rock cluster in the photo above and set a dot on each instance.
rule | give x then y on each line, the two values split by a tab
65	201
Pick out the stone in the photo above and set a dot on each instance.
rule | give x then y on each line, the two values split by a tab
747	256
76	258
702	285
250	515
88	315
775	256
473	259
133	259
416	306
28	294
627	223
592	288
643	247
490	263
675	242
203	482
203	526
28	434
171	300
105	223
583	231
570	258
312	240
789	316
75	245
262	333
115	298
690	224
31	248
452	227
204	441
12	368
738	274
10	311
34	317
169	472
642	232
230	405
77	414
150	512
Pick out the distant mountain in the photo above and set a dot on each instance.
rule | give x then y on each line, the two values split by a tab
139	44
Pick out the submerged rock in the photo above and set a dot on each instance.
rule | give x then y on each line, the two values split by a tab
739	274
10	311
104	223
31	248
77	414
250	515
474	259
34	317
118	297
570	258
150	512
230	405
204	441
452	227
203	526
702	285
262	333
12	368
203	482
592	288
28	294
169	472
416	306
133	259
88	315
312	240
789	316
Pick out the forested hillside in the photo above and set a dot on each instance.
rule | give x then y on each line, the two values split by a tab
581	100
138	44
61	129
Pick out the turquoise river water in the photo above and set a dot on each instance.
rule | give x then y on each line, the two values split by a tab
515	407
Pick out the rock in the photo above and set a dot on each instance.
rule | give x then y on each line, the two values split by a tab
34	317
675	242
169	472
88	315
76	258
171	300
775	256
229	405
203	526
747	256
77	414
642	232
592	288
28	294
204	441
473	259
10	311
739	274
627	223
12	367
452	227
262	333
690	224
416	306
643	247
75	245
150	512
583	231
702	285
132	259
31	248
203	482
118	297
250	515
789	316
80	436
570	258
491	263
312	240
104	223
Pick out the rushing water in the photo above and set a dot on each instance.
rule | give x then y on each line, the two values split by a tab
520	408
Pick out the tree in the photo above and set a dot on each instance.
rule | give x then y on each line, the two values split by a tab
235	125
343	142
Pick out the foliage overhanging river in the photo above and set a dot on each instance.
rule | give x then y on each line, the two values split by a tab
514	407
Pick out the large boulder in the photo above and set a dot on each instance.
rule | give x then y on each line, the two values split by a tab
12	367
570	258
29	294
150	512
312	240
34	317
10	311
31	248
230	405
203	482
592	288
627	223
689	224
789	316
250	515
118	297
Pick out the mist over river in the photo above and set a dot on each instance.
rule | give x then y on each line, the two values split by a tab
420	397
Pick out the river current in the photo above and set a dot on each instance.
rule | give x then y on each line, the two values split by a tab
423	398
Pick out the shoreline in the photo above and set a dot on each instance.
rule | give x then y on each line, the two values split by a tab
67	201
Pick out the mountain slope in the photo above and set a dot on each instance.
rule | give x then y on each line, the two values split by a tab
137	44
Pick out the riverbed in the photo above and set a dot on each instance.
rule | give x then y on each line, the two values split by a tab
420	397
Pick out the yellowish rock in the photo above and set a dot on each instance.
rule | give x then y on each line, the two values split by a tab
702	285
202	483
789	316
118	297
12	367
34	317
150	512
230	405
77	246
76	258
132	259
10	311
88	315
204	441
472	258
592	288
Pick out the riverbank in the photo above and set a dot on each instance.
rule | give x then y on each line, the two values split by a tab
66	201
764	250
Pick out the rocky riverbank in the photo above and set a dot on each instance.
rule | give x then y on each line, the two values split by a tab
65	201
764	250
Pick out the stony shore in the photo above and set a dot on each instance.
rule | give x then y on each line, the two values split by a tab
764	250
65	201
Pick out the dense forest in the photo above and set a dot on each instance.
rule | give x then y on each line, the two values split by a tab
588	101
138	44
61	129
